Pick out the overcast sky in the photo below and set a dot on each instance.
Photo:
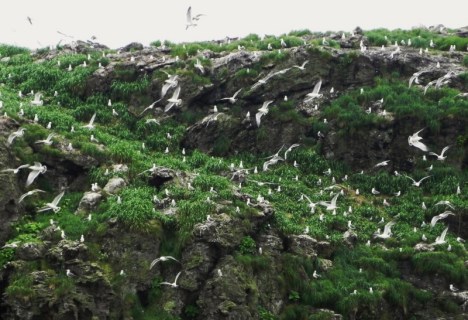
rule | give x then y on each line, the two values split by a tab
117	23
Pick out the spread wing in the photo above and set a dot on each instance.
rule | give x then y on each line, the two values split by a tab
175	95
32	176
317	87
92	119
189	15
57	198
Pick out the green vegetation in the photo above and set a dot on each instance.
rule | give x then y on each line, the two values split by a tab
170	211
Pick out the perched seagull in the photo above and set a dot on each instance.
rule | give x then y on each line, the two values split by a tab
233	98
440	217
70	274
315	92
16	170
90	125
452	288
441	238
414	140
174	100
174	284
48	141
53	205
387	233
162	258
440	156
374	191
417	183
302	66
262	111
36	169
316	275
29	193
14	135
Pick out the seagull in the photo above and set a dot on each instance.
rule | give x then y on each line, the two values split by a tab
53	205
374	191
415	78
441	156
233	98
330	205
315	92
445	202
29	193
414	140
37	100
302	66
48	141
70	274
152	120
295	145
14	135
316	275
452	288
311	204
387	231
190	19
262	111
441	238
417	183
440	217
36	169
162	258
90	125
150	107
174	284
172	82
16	170
174	100
199	66
382	164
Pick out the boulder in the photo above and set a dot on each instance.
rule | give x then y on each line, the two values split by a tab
89	202
114	185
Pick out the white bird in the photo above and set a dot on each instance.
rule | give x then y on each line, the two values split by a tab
262	111
441	238
36	169
414	140
315	92
48	141
316	275
446	203
93	139
374	191
162	259
16	170
387	233
233	98
37	100
302	66
29	193
452	288
114	113
423	206
174	100
150	107
330	205
440	156
382	164
49	125
14	135
82	238
199	66
174	284
460	240
54	204
90	125
311	204
440	217
424	238
69	273
417	183
295	145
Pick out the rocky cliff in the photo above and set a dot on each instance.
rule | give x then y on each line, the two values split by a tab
273	176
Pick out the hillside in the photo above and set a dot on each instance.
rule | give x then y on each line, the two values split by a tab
291	177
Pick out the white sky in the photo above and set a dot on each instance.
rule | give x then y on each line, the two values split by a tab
117	23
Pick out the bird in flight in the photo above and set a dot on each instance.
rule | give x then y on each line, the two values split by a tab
29	193
36	169
54	204
30	20
414	141
262	111
440	156
174	284
191	19
90	125
233	98
315	92
162	258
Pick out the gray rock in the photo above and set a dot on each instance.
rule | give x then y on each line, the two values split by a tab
134	46
114	185
350	238
89	202
30	251
423	247
303	245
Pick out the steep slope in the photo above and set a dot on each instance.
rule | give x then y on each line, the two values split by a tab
245	210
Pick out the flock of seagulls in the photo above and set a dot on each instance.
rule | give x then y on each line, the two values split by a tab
172	83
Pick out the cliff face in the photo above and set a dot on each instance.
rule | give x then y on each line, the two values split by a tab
249	235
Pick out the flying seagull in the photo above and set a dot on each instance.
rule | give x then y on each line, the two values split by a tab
414	141
174	100
330	205
54	204
233	98
90	125
417	183
440	217
16	170
191	19
36	169
315	92
14	135
174	284
387	233
29	193
302	66
440	156
162	258
262	111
